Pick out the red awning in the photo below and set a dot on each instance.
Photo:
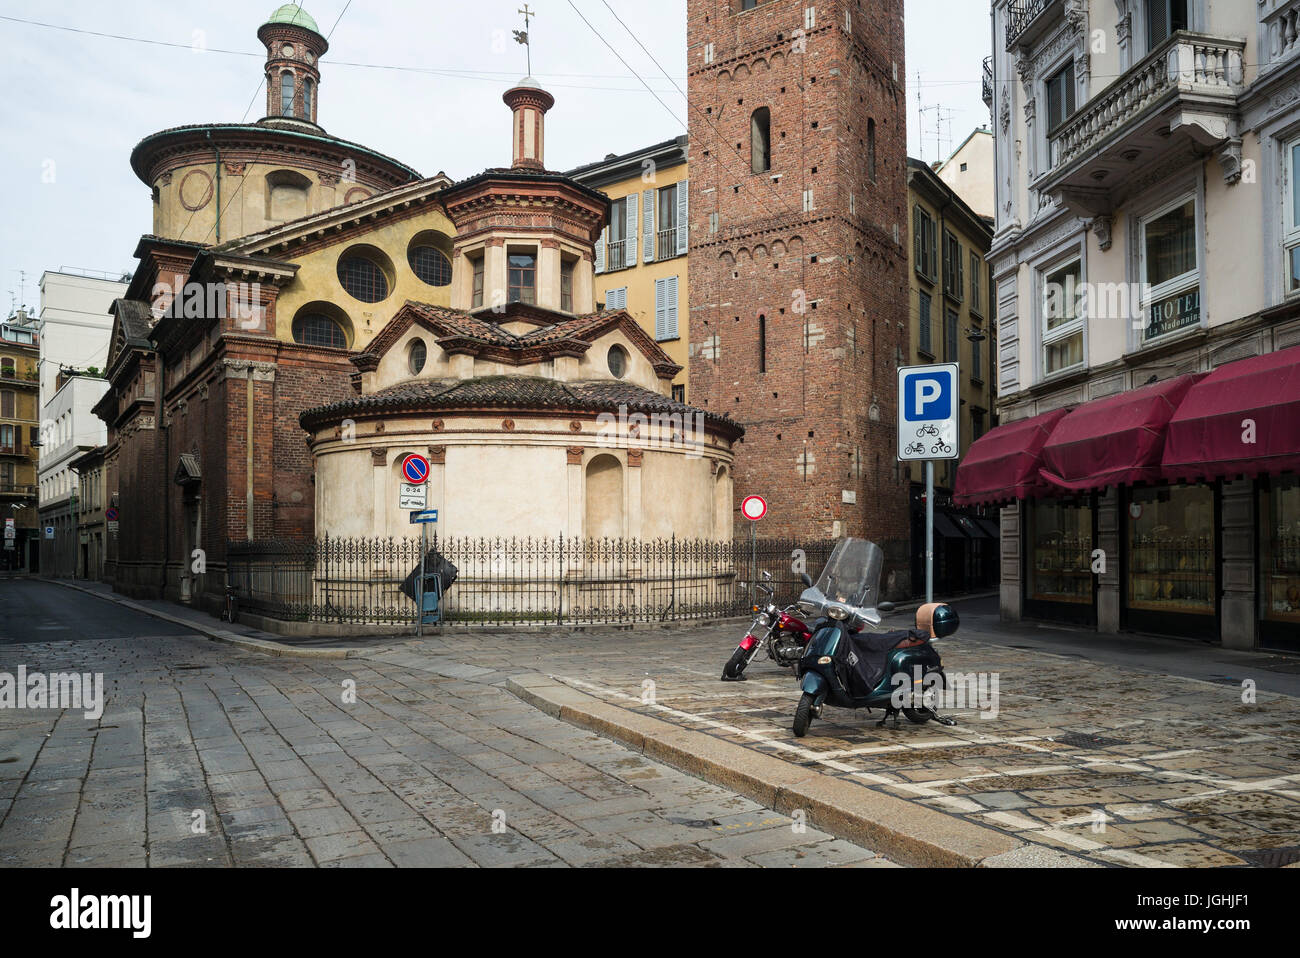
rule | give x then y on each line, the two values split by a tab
1118	440
1002	464
1243	419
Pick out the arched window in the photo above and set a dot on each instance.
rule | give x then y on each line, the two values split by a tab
317	329
430	264
306	98
871	149
363	278
760	140
286	94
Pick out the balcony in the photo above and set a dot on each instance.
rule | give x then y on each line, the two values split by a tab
616	255
987	85
16	489
1179	99
1281	22
666	243
1026	20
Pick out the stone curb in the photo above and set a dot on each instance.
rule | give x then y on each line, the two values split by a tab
265	646
901	830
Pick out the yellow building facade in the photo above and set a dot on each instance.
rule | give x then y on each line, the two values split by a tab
19	429
641	254
952	320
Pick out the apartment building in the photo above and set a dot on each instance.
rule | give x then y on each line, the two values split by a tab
1146	262
19	431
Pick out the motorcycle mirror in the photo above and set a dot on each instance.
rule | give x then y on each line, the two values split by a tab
767	575
806	579
884	607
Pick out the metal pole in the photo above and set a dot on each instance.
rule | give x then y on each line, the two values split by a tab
929	530
753	563
419	589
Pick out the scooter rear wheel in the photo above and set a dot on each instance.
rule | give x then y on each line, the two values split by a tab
803	714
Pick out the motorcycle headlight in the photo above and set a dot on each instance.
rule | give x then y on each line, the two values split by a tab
838	612
764	619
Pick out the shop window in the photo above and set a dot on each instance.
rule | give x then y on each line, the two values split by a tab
1171	291
1170	557
1060	558
1062	318
1279	541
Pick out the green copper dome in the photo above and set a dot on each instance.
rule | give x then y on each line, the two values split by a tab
293	14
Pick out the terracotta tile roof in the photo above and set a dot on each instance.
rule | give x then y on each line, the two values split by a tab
513	392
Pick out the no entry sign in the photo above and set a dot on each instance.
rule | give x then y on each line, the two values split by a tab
753	507
415	469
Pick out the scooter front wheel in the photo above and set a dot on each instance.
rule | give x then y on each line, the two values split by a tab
918	716
803	714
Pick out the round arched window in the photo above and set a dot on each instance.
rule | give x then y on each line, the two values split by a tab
430	264
363	278
315	329
617	360
416	357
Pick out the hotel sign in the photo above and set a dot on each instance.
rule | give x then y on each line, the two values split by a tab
1173	312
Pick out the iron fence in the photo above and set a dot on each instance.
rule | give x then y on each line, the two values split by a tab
524	581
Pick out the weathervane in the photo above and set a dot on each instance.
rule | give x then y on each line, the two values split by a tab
521	36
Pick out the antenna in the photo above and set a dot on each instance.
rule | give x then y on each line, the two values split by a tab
942	116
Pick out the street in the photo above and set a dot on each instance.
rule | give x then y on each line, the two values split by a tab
206	755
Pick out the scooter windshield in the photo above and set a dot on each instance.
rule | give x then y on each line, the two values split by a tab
852	573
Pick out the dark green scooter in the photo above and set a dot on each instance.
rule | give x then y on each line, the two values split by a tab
849	663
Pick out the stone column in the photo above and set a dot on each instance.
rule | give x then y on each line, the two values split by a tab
573	473
494	273
1011	602
548	275
584	285
1238	617
633	528
1108	541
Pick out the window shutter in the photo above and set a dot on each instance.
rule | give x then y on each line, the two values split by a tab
629	257
683	222
648	224
670	308
916	240
600	252
660	311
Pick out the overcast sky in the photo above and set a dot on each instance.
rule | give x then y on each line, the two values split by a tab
75	103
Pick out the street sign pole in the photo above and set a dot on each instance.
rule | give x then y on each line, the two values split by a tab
419	592
929	530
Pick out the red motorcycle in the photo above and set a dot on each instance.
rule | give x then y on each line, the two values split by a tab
782	634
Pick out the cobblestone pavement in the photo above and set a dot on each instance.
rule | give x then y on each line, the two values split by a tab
279	769
1105	764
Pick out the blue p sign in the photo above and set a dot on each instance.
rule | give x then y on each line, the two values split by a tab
927	396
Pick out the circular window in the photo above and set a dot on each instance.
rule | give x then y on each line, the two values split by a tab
430	265
617	361
315	329
416	357
363	278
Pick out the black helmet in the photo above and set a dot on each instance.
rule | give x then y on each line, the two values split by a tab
945	621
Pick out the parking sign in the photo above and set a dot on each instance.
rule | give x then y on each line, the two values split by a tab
928	402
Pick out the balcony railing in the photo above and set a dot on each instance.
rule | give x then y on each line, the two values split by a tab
11	449
1281	20
666	240
616	255
1022	13
1192	64
17	489
987	85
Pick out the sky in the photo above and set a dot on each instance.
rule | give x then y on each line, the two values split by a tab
419	80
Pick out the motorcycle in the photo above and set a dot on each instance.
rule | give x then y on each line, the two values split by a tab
851	662
777	630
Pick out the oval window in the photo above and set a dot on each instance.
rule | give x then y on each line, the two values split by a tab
416	357
363	278
429	263
314	329
617	361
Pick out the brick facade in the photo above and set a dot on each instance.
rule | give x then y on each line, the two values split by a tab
814	246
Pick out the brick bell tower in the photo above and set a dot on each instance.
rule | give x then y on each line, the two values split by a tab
294	46
799	293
